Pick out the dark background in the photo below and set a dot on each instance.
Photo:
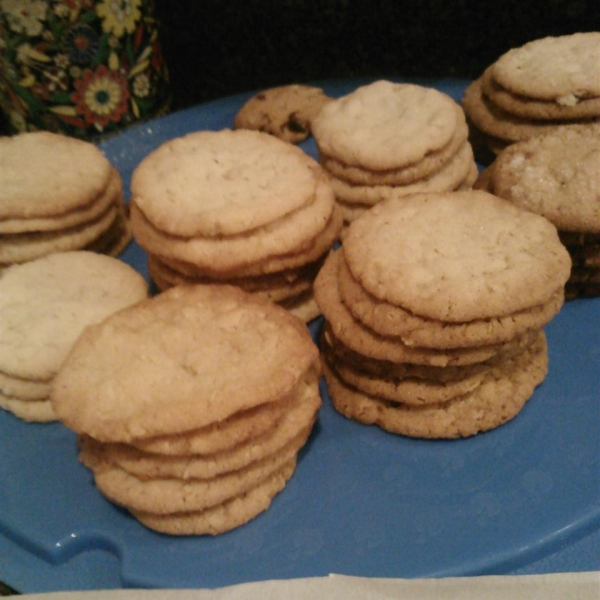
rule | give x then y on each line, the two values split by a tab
215	48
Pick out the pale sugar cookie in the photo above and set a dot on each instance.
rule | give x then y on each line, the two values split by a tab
45	305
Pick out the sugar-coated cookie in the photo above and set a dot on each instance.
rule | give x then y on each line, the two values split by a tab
557	175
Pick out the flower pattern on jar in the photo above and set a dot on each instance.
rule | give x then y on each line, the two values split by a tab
80	67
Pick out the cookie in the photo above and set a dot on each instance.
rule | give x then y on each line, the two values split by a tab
33	164
402	350
35	411
529	108
361	339
450	177
65	217
204	427
389	319
238	207
310	252
501	126
220	436
457	256
498	399
57	194
430	163
563	69
173	495
533	89
245	180
398	384
154	345
238	251
293	427
386	125
285	111
27	389
556	175
22	247
223	517
389	140
45	305
388	369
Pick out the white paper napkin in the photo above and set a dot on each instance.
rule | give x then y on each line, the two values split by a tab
559	586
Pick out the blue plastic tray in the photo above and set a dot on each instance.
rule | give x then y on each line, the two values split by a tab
361	502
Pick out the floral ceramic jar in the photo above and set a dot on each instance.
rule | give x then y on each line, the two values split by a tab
80	67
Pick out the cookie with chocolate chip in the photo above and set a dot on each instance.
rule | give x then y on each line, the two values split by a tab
285	111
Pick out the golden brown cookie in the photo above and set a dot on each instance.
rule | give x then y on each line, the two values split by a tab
401	350
184	433
535	88
221	436
389	140
457	256
238	207
293	427
223	517
158	342
363	340
530	108
389	319
386	125
499	398
563	69
57	194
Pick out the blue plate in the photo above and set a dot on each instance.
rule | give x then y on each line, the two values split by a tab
361	502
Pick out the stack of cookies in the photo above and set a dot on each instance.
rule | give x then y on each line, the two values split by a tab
434	308
191	406
58	194
389	140
557	175
239	207
534	89
45	304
